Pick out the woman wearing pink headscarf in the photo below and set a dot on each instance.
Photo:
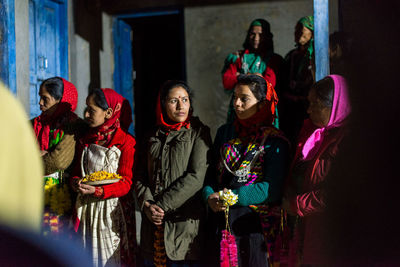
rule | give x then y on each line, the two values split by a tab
318	144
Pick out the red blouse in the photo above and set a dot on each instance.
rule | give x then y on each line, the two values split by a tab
126	143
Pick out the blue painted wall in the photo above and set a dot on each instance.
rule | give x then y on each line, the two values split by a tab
48	45
321	39
7	44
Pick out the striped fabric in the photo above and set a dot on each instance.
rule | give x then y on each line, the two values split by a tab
102	224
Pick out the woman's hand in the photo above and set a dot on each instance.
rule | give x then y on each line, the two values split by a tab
215	203
86	189
75	183
154	213
43	152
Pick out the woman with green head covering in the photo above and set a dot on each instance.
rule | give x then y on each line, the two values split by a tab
257	57
298	72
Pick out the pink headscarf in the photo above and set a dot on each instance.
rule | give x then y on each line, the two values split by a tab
340	110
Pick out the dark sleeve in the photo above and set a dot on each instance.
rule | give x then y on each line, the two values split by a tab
210	182
224	134
141	177
309	202
276	64
274	170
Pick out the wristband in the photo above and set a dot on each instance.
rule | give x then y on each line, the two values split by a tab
98	192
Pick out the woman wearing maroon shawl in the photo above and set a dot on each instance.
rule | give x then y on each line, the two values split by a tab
58	100
105	209
318	145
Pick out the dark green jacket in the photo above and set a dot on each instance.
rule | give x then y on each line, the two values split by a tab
181	157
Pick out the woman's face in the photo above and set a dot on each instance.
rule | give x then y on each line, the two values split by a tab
47	103
255	37
302	35
319	114
178	104
94	115
244	102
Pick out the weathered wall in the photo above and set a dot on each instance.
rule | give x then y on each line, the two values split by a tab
107	53
79	50
212	32
22	51
79	67
91	55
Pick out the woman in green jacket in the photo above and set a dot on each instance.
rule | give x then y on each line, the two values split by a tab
170	177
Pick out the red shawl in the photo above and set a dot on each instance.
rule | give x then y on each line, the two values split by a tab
165	125
121	118
263	117
62	115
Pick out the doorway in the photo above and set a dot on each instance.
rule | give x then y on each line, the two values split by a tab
158	55
48	45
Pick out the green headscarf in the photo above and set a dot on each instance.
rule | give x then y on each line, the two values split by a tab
256	23
308	22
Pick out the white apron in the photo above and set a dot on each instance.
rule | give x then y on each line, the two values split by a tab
102	224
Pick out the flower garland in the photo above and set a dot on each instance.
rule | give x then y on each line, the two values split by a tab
228	243
57	196
57	201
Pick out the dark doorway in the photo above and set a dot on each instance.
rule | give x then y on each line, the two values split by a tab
158	55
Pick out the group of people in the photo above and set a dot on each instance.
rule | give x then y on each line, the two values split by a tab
178	175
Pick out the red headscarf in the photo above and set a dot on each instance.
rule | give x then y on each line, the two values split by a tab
62	115
166	126
263	117
121	118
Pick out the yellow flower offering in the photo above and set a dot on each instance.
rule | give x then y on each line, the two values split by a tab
229	198
100	176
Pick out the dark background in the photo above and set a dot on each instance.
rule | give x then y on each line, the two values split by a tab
362	224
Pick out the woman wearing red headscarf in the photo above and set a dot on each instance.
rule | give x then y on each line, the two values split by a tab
250	158
104	213
58	100
169	181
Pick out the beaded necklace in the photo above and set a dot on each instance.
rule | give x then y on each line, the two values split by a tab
242	160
